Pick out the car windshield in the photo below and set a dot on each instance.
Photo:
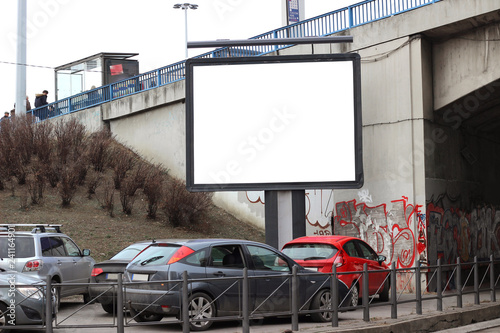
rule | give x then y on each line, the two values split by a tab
156	254
18	247
310	251
129	252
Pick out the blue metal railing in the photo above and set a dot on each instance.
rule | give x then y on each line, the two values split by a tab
322	25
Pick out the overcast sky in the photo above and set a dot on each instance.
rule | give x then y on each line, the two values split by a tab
62	31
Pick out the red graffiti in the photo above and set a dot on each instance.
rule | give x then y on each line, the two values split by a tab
389	232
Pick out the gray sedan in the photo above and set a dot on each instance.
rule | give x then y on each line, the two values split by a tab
155	290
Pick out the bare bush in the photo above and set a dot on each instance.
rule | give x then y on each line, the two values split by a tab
100	153
70	139
153	189
36	183
106	200
127	200
43	143
123	162
186	209
68	184
93	181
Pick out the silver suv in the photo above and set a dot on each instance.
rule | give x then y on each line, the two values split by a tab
44	251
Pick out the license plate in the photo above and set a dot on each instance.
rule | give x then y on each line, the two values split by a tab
112	276
140	277
313	268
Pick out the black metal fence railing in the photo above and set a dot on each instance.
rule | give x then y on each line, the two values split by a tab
418	284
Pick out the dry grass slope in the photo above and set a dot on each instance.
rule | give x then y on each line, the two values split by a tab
108	203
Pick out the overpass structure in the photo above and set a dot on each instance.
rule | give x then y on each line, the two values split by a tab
431	103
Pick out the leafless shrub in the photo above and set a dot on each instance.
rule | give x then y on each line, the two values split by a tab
42	142
186	209
100	153
153	189
107	198
123	162
93	181
68	185
36	183
127	200
69	140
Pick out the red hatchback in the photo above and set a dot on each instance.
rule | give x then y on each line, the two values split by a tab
348	254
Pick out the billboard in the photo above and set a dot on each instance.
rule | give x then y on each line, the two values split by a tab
273	123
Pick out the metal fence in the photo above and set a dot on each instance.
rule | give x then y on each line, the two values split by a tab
457	278
322	25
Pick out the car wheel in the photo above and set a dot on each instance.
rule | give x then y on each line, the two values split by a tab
384	294
4	320
109	308
201	306
323	300
144	316
354	295
56	295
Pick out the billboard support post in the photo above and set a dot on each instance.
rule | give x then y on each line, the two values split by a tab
285	213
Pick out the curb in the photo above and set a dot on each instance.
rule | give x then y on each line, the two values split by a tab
429	322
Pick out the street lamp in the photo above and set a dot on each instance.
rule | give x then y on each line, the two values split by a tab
185	7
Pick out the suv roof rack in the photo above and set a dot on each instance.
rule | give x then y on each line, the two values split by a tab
37	228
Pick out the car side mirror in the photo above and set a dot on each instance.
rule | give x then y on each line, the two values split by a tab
381	259
86	252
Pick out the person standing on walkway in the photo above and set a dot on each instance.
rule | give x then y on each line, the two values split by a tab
41	99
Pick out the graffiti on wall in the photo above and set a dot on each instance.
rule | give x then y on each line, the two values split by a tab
458	233
389	231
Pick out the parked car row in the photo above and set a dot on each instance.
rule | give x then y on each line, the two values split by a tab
152	271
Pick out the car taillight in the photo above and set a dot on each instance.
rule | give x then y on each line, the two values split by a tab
96	271
182	252
33	265
339	260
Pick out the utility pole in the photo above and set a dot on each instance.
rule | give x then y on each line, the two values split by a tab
21	58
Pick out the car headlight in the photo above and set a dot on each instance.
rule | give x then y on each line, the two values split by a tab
30	292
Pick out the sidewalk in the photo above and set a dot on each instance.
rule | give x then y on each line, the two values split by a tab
407	320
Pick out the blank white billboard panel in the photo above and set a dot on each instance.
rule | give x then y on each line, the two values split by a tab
273	123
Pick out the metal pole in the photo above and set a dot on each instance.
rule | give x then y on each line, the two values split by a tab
439	288
120	328
476	282
366	305
48	307
245	306
186	29
418	289
21	58
459	283
334	291
185	303
493	296
394	296
295	302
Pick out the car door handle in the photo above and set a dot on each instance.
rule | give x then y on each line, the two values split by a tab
219	273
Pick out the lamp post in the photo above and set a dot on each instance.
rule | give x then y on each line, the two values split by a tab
185	7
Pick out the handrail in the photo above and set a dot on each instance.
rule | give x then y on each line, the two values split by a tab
322	25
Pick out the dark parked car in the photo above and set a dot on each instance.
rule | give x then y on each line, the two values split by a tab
108	270
22	299
222	260
348	254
